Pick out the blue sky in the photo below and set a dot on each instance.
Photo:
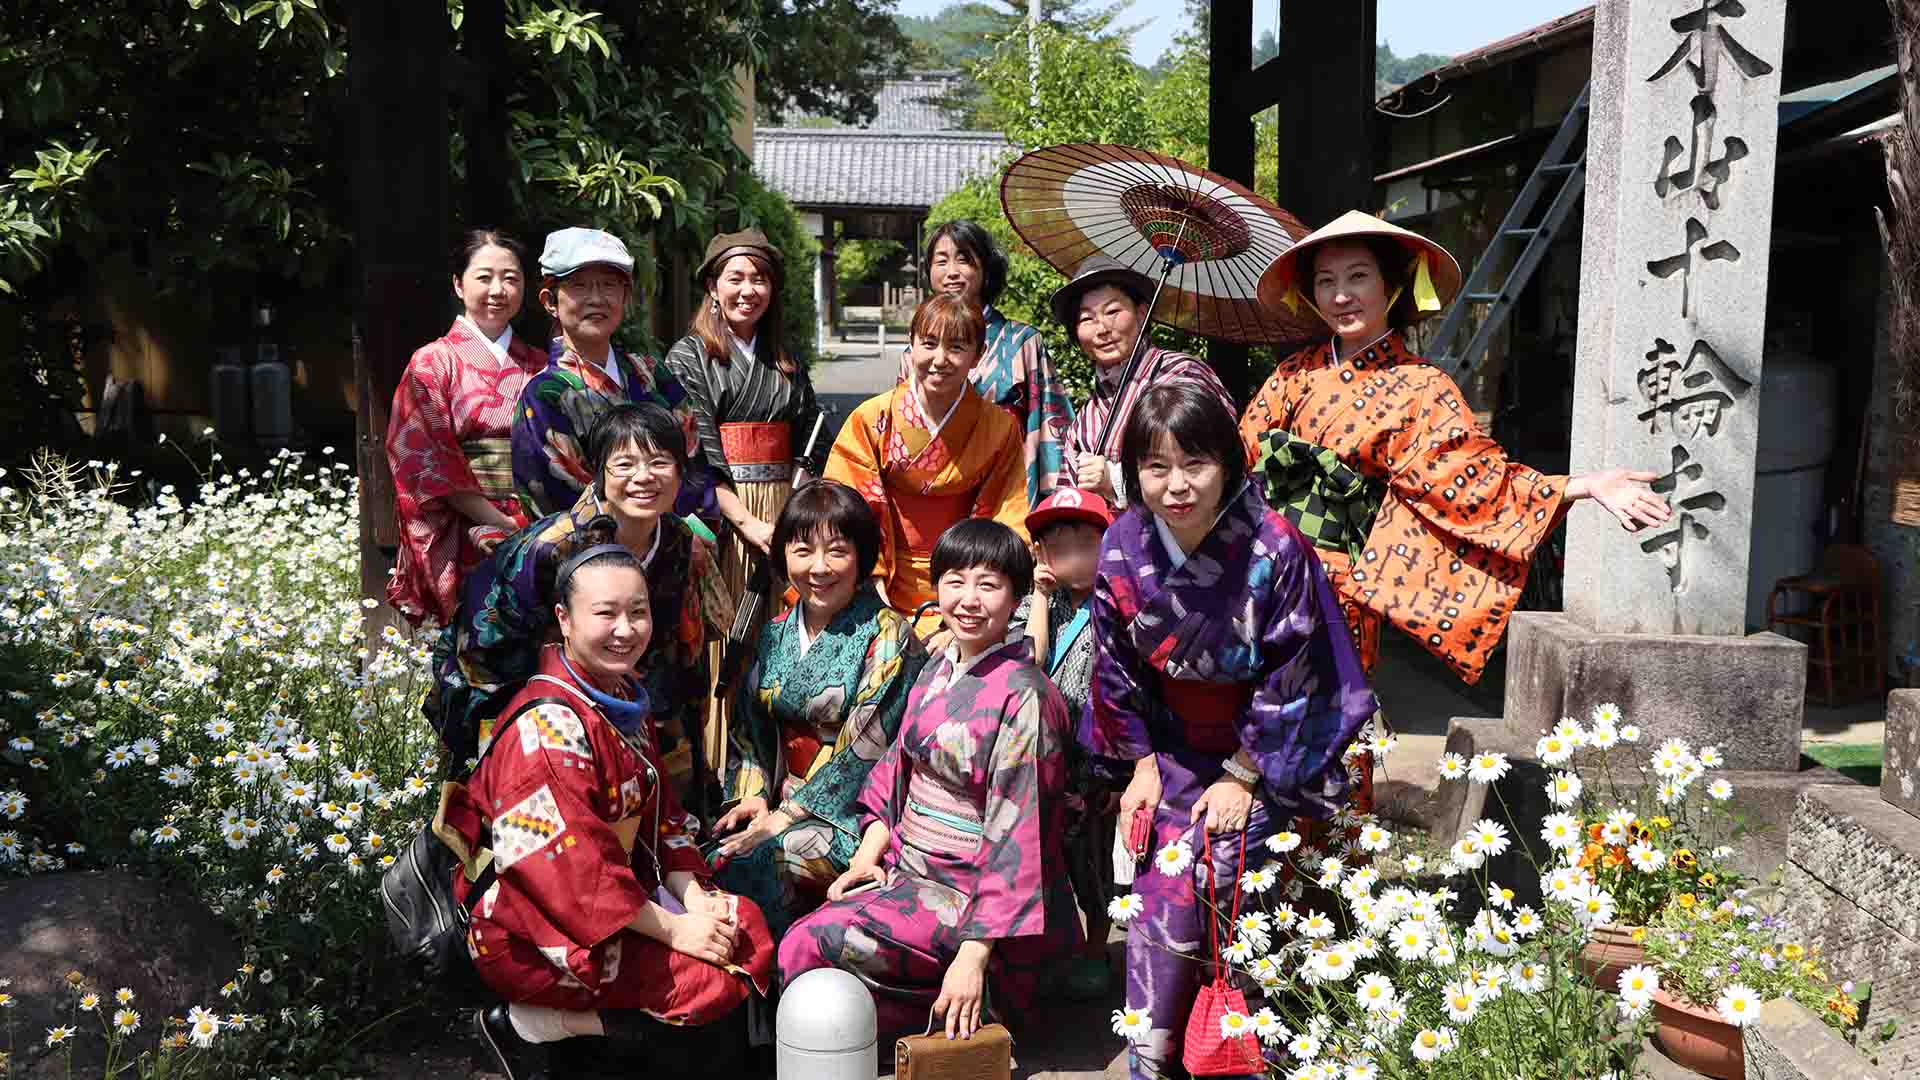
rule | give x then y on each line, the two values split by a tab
1410	26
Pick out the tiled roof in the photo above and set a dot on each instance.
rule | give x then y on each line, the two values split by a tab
880	169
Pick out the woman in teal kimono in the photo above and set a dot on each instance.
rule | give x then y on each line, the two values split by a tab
1013	371
818	707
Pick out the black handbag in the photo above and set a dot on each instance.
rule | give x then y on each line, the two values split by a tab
425	924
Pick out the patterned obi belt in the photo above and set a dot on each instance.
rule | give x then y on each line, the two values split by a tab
939	820
1331	504
1206	714
492	463
758	453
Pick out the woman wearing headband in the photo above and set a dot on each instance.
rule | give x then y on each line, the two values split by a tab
602	918
1420	519
639	458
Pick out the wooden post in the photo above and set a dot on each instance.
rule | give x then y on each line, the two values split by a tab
1326	107
399	176
1230	140
484	114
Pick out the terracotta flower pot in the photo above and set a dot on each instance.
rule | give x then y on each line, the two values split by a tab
1698	1038
1608	952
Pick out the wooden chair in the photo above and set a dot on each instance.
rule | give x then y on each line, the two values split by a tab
1838	608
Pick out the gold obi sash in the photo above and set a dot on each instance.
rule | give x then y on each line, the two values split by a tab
938	820
758	453
492	463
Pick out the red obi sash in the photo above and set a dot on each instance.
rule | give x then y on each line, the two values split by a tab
1208	712
758	453
923	518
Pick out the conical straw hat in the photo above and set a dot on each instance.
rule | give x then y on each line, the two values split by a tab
1433	274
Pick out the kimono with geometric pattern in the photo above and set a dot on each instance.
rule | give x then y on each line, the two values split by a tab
584	831
448	435
1448	553
973	795
918	483
807	728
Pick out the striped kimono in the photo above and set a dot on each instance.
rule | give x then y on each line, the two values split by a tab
1157	366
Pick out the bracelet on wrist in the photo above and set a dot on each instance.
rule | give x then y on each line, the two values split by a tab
1242	773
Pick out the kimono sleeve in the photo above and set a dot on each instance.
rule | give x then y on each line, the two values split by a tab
1311	695
1049	418
423	452
687	361
1461	484
855	462
549	464
552	845
1115	723
884	794
1003	492
1028	767
892	663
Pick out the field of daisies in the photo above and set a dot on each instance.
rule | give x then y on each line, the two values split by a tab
185	690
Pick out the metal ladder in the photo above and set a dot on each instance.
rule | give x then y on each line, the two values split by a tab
1554	168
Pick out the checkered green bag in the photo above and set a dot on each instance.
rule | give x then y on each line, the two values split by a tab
1331	504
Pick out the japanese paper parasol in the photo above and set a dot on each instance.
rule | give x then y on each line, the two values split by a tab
1206	238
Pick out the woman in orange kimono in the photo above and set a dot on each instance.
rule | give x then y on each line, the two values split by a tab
931	452
448	442
1421	520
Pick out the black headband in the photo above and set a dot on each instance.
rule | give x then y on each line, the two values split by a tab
567	568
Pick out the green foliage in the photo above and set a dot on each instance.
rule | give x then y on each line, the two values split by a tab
857	262
828	58
1390	71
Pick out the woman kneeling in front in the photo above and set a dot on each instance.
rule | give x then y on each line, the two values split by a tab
960	875
602	920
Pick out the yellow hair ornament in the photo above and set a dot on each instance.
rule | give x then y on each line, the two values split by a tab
1424	296
1293	298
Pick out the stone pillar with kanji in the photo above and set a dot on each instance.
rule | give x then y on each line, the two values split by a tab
1678	220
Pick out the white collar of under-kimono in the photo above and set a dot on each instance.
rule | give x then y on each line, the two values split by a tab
933	426
1176	554
497	345
743	347
963	666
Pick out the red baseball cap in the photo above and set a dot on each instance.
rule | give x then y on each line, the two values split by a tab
1070	504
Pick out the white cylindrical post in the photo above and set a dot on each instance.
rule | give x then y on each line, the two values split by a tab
826	1029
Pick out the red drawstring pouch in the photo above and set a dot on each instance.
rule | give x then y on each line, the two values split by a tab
1207	1051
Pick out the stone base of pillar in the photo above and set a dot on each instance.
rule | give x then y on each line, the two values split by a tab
1852	887
1746	696
1900	773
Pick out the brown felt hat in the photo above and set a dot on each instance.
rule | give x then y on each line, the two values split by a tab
746	242
1288	282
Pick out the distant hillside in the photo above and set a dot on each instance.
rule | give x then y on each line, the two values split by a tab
1390	71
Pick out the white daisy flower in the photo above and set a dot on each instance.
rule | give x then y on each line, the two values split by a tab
1564	789
1554	749
1430	1043
1561	831
1603	737
1460	1002
1122	909
1315	926
1607	714
1414	864
1411	941
1282	842
1488	767
1639	981
1174	859
1131	1024
1375	992
1269	1028
1738	1005
1645	857
1256	882
1630	733
1452	766
1374	838
1304	1046
1720	790
1528	977
1491	836
1233	1025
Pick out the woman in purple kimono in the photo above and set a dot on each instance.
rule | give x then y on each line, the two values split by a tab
960	876
1222	670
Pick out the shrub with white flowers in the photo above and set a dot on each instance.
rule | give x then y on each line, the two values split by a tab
185	689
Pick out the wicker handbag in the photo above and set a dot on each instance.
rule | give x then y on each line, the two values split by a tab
986	1056
1208	1051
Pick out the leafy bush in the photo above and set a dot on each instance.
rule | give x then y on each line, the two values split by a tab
187	692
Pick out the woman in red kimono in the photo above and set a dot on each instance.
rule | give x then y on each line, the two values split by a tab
448	441
602	919
1421	520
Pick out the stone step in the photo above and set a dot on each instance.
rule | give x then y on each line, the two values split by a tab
1656	1065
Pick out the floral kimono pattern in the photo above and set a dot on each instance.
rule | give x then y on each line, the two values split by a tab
971	792
1448	553
584	831
807	728
558	408
918	483
1015	373
1240	647
447	435
507	615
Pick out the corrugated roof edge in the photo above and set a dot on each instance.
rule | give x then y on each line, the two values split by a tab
870	133
1545	36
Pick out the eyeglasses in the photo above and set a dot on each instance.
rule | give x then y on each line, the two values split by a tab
625	469
608	287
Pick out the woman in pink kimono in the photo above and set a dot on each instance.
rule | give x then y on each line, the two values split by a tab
960	877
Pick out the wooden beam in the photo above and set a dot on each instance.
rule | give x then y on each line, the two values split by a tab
1229	139
398	166
1325	101
483	116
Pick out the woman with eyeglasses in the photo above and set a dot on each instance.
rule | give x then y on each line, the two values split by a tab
639	457
586	281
